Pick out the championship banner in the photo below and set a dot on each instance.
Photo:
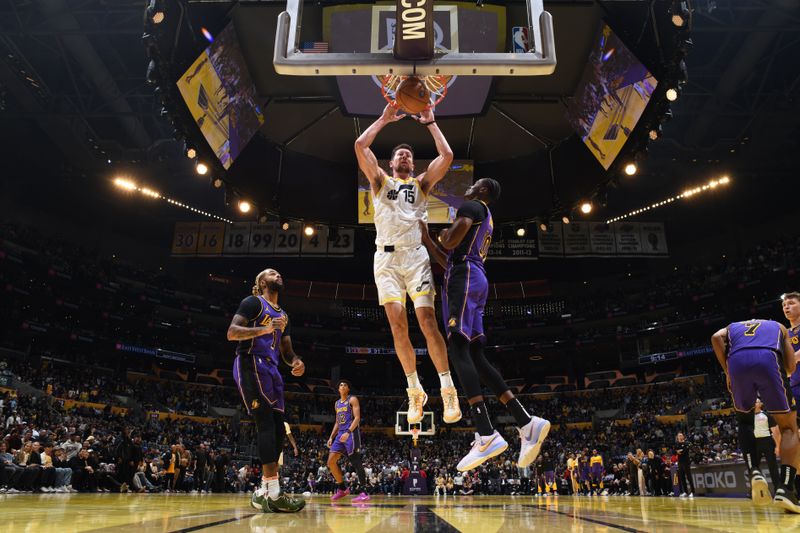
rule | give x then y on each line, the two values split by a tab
551	241
601	237
514	247
576	239
598	239
628	238
217	239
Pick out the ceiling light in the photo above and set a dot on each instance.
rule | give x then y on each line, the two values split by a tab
630	169
520	232
244	206
672	94
309	231
586	208
201	168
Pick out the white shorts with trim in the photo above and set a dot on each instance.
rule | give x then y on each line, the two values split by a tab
404	271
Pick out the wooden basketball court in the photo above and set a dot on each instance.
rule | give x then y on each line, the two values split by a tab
481	514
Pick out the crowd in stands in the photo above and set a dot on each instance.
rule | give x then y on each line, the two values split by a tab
66	309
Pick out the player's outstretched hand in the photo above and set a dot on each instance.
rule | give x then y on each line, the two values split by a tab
298	367
426	115
391	114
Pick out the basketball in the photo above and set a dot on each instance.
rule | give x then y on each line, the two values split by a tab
412	95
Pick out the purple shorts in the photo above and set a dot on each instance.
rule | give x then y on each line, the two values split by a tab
259	382
350	446
463	300
759	372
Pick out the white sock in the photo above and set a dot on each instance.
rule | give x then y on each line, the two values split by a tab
263	488
413	381
273	487
446	379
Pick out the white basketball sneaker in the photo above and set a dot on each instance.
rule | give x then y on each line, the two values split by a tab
483	448
416	401
532	435
452	410
759	490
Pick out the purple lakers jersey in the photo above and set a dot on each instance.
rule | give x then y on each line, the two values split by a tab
474	247
794	340
344	414
266	346
755	334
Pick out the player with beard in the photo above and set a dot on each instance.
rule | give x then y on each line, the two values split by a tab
401	265
262	329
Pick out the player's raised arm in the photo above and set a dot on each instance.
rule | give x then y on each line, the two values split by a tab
367	161
439	166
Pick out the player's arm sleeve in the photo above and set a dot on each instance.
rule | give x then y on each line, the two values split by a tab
472	209
249	308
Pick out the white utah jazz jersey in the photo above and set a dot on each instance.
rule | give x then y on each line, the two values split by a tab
399	206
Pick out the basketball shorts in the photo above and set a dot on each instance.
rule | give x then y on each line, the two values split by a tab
350	446
404	271
258	381
759	372
465	292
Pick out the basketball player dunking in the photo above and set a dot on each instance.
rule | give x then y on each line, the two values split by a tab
346	439
262	329
756	356
466	288
401	264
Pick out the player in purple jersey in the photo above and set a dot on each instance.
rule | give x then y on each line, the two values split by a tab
791	310
345	439
261	328
756	356
467	243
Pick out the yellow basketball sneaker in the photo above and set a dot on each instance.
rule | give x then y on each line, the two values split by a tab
452	410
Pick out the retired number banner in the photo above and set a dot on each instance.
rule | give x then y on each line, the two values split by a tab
217	239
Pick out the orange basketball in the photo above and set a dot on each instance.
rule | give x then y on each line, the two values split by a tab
412	95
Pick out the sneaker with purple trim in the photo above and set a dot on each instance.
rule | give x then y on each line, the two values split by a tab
361	498
339	494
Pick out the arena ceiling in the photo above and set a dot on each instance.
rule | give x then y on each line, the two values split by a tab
74	95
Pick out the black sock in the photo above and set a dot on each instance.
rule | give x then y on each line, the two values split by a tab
480	416
340	486
788	472
519	413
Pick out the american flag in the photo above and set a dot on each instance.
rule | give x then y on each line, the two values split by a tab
314	47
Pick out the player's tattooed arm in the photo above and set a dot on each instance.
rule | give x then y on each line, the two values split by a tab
436	253
719	342
238	330
291	358
367	161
